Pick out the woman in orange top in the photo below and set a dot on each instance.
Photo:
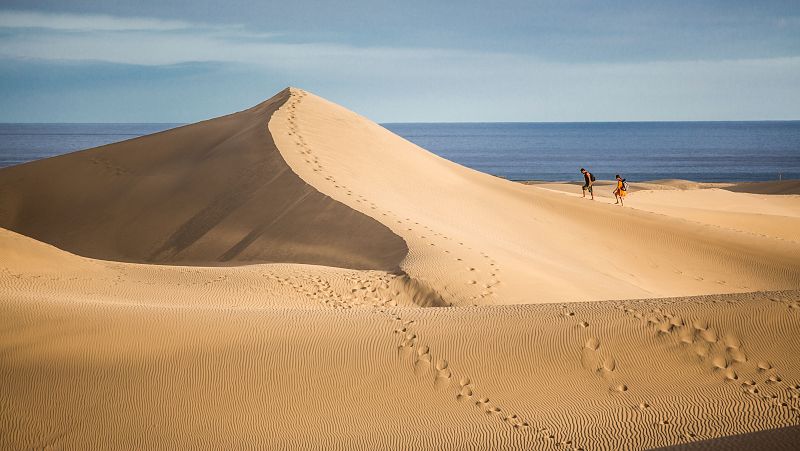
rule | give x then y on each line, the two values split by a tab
620	191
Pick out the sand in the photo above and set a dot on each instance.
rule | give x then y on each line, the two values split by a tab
212	193
765	215
432	307
781	187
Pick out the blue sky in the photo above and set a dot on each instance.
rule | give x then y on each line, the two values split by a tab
183	61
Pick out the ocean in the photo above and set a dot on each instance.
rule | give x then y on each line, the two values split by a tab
700	151
20	143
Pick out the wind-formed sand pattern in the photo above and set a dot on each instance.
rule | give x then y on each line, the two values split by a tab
296	276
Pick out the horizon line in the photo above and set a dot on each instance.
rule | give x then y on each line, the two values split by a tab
447	122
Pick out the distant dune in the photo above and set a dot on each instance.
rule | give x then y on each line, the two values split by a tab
784	187
323	283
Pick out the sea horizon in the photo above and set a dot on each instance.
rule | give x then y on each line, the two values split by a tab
702	151
443	122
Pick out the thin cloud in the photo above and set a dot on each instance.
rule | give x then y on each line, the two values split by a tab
527	86
86	22
152	42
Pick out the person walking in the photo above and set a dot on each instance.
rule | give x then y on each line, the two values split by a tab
588	178
621	190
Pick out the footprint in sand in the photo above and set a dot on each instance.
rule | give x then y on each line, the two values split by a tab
423	361
737	355
609	364
515	421
465	391
722	353
686	335
708	335
774	379
406	347
493	410
590	359
601	364
719	362
750	387
443	374
619	388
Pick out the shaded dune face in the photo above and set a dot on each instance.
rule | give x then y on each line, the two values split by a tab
213	193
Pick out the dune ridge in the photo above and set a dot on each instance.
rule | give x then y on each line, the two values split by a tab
429	307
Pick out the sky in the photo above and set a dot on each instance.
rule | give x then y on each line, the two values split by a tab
409	61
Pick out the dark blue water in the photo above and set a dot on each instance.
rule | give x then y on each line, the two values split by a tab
701	151
20	143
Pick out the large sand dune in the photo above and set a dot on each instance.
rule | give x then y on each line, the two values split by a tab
485	240
336	333
216	192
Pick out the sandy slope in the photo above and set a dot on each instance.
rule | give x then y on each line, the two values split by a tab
215	192
305	351
775	217
484	240
101	354
783	187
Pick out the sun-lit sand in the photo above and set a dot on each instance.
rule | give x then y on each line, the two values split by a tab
296	276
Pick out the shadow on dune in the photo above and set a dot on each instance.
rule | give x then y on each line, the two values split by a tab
216	192
779	439
419	292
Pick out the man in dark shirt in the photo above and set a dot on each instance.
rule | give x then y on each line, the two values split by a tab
587	177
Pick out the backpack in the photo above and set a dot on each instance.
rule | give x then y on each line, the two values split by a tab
591	176
624	185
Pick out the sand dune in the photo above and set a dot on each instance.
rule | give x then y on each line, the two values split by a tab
104	354
216	192
776	217
380	297
784	187
486	240
769	216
